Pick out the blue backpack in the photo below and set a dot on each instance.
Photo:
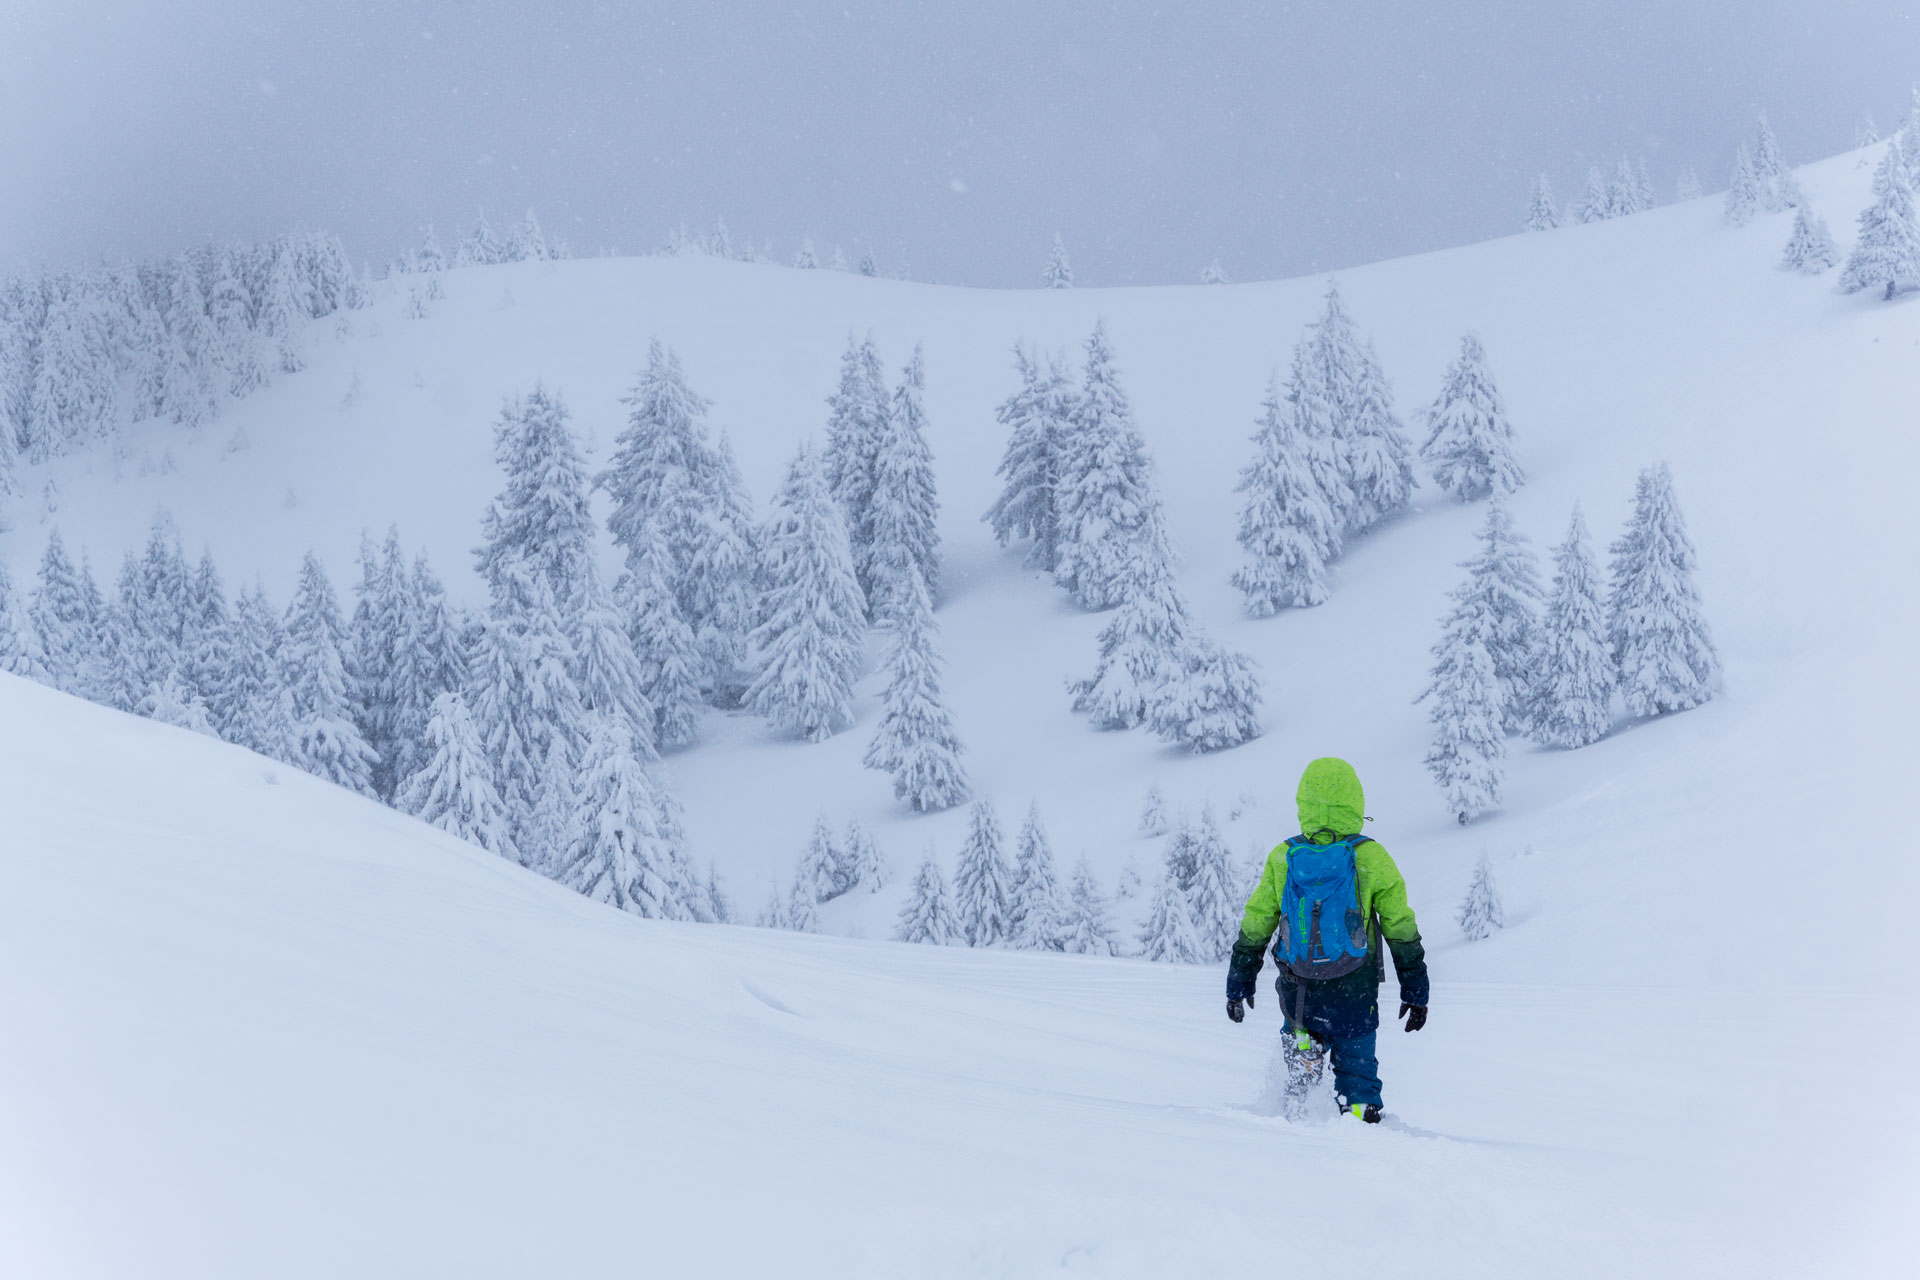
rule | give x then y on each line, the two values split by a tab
1323	932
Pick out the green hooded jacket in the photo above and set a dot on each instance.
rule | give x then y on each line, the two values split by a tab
1332	804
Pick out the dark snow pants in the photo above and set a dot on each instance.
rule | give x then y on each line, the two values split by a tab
1356	1068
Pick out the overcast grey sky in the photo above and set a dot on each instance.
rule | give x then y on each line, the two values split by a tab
1281	137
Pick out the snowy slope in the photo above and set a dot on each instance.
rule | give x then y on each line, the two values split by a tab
254	1026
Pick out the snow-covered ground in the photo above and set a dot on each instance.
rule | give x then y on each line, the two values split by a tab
263	1028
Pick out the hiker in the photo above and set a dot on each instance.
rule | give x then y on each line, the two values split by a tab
1332	894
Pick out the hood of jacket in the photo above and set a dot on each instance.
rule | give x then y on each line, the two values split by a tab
1330	798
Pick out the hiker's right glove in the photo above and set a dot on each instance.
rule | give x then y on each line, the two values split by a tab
1415	1014
1237	1009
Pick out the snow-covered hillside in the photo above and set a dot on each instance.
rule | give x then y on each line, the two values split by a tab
257	1026
260	1028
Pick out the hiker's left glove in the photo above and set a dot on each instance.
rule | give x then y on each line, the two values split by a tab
1415	1014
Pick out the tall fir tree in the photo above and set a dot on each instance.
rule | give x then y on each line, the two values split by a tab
259	710
327	743
1543	214
1168	935
1214	899
1661	642
1087	928
1498	607
608	671
63	625
453	789
983	881
906	507
1036	418
378	636
1106	485
723	586
810	642
1144	640
927	917
1743	192
430	662
1287	530
1468	756
1037	909
1778	190
667	651
861	862
618	855
1886	255
1469	437
1573	673
541	517
1595	205
856	427
819	877
915	741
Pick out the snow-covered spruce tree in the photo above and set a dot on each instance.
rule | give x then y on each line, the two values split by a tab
1480	911
1778	190
327	744
1596	205
810	642
1168	935
1212	274
453	789
612	680
983	881
237	352
1153	813
1468	757
73	396
63	625
1209	697
1469	437
430	662
803	911
818	877
722	586
664	475
1642	184
283	310
1106	485
18	643
915	741
1573	673
186	390
1743	192
1367	444
1543	214
1661	642
1036	908
928	916
1143	643
377	640
1037	418
862	864
1887	253
526	242
856	426
1214	900
207	641
869	266
774	914
1623	193
1287	530
258	713
906	508
541	517
1810	249
1498	607
805	259
665	648
1086	928
1058	273
1687	185
480	247
618	855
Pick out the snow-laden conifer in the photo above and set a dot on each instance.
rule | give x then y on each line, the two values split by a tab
379	634
1376	456
18	643
1212	273
774	914
1214	900
1743	192
810	643
1037	418
526	242
1058	273
207	640
431	661
928	914
63	625
1209	697
327	743
1596	204
171	702
1153	813
666	650
259	709
1468	757
1623	193
612	680
1087	929
806	260
1469	441
1886	255
1498	607
1144	642
1642	184
862	864
1481	911
983	881
722	584
906	508
1687	185
1287	530
1573	673
1543	214
453	789
1661	642
618	855
1810	249
856	426
1777	188
1037	908
818	876
1168	935
1106	485
541	517
915	740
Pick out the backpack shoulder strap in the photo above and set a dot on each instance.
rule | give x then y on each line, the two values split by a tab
1356	841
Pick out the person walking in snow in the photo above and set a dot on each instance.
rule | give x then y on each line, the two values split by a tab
1335	899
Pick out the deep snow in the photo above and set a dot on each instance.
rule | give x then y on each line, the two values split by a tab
256	1028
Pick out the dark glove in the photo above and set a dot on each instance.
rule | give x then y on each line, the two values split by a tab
1415	1014
1237	1009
